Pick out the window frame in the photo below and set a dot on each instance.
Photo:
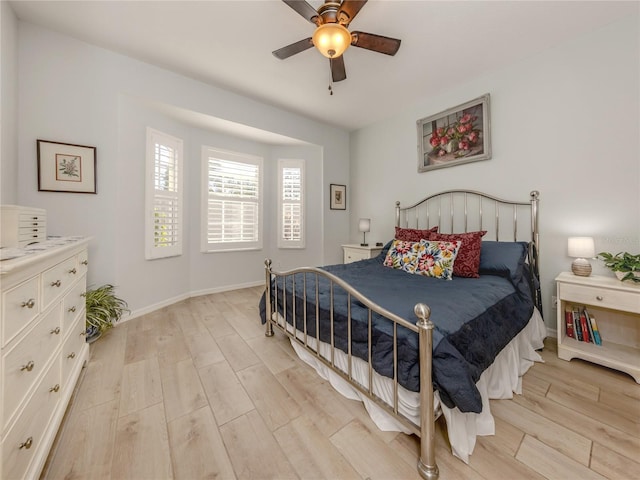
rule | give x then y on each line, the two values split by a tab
282	242
214	247
152	251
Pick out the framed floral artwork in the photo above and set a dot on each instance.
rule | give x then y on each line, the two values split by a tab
458	135
65	167
338	197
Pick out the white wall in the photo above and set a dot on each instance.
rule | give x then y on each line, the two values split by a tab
8	104
74	92
564	122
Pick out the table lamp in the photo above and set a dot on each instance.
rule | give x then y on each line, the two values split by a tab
364	225
581	248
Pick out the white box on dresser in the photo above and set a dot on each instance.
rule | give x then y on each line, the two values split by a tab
616	307
20	226
43	348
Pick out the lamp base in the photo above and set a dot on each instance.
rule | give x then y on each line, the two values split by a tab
581	267
364	244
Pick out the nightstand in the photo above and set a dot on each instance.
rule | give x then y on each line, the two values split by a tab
616	307
355	252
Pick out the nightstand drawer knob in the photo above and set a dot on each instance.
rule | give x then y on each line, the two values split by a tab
599	298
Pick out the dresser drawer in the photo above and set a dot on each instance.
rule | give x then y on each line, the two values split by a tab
602	297
22	442
20	305
24	362
72	349
58	279
73	304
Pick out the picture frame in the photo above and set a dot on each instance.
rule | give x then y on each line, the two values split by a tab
338	197
459	135
66	167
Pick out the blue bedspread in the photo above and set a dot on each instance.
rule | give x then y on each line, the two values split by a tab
475	318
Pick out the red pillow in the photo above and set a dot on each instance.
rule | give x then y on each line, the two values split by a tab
413	234
467	262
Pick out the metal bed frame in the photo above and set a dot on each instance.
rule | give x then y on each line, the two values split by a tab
452	211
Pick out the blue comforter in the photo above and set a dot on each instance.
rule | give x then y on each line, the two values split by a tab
475	318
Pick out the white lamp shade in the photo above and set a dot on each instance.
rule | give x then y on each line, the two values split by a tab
581	247
364	224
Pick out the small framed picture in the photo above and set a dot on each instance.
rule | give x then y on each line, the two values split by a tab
458	135
338	197
65	167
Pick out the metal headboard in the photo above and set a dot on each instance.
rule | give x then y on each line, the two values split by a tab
458	211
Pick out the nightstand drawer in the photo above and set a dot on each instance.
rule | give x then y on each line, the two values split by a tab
617	300
355	255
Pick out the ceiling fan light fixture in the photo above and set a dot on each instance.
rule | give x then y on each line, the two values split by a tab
331	39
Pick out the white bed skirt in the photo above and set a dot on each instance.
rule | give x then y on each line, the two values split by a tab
501	380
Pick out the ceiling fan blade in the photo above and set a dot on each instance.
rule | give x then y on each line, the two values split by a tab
377	43
289	50
338	73
348	10
304	9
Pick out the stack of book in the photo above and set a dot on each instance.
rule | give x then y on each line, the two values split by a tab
582	326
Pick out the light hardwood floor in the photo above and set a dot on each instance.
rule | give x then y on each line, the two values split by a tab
196	391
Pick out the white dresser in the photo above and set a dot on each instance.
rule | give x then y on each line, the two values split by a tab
42	338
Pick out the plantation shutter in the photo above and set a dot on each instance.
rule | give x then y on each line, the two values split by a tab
291	211
233	201
164	195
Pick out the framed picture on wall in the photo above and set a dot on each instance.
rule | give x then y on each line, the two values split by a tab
65	167
458	135
338	196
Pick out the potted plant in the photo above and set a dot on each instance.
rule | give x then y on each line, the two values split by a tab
625	265
104	308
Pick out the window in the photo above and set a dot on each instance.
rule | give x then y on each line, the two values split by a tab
163	212
291	203
232	201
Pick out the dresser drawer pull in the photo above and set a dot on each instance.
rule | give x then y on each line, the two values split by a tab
55	388
57	283
599	298
83	333
27	444
28	367
29	303
55	331
34	230
35	224
72	309
85	262
72	355
72	271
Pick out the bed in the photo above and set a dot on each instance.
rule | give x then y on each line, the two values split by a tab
413	337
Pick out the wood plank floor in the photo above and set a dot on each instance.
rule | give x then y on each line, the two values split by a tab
196	390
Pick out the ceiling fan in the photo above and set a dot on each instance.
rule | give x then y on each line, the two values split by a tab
332	37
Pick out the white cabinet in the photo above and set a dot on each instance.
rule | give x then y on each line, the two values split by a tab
355	252
616	307
43	349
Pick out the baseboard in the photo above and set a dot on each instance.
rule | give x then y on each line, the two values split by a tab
198	293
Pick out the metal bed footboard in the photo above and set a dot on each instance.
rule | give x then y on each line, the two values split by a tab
298	333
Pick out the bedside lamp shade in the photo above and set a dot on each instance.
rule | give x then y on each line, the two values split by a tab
364	225
581	248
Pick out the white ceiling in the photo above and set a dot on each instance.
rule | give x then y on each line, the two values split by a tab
229	44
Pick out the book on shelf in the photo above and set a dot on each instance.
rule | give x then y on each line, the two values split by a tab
575	314
568	323
587	336
594	328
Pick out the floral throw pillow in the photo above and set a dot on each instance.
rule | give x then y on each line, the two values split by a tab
403	255
437	259
414	234
468	260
